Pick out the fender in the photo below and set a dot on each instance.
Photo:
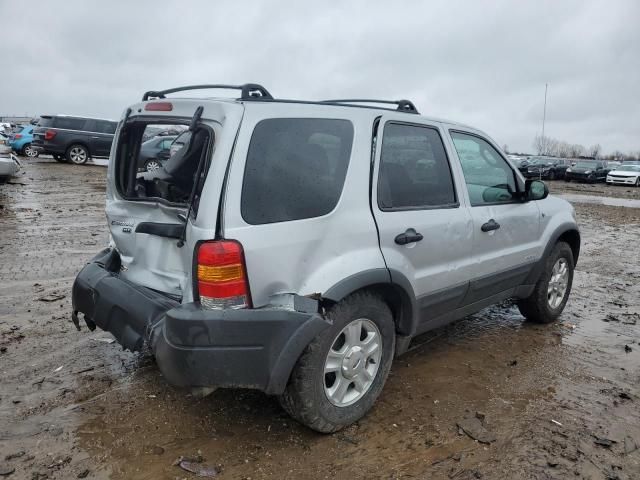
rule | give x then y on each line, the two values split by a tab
393	285
564	230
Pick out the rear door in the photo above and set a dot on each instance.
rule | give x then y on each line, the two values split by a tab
424	227
506	231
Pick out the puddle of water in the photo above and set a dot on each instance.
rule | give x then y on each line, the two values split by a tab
610	201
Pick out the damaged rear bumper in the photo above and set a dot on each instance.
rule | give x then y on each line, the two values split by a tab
195	347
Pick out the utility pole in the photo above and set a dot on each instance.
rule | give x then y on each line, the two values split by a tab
544	116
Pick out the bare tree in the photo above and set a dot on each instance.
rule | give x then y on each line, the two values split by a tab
505	148
576	150
563	149
544	145
594	150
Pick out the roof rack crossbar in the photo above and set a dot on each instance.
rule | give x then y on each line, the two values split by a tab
403	105
249	91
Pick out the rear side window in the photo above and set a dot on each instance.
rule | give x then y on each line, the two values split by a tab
295	169
414	170
69	123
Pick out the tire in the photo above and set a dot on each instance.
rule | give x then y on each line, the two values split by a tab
306	397
29	151
552	175
77	154
149	165
543	306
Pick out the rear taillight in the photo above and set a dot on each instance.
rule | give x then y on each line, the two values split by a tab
50	134
222	275
17	136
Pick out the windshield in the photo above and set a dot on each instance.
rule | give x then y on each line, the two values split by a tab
629	168
540	161
584	165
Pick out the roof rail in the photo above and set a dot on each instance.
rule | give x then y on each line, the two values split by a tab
403	105
249	91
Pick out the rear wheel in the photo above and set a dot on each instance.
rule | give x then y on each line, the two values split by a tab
342	371
77	154
29	151
552	290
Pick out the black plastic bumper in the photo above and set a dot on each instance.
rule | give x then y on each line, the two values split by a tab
195	347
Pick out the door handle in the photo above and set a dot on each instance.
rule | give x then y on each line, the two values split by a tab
410	236
490	225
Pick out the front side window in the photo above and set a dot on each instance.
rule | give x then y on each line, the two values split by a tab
414	171
488	176
295	169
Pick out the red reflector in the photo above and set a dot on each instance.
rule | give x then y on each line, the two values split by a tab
158	107
18	135
49	134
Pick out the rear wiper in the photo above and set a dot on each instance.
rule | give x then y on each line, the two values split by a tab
195	120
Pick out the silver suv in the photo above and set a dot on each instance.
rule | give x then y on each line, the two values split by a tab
296	247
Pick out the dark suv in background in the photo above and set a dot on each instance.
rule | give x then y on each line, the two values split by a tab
73	139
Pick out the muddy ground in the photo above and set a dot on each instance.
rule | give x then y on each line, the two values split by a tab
563	401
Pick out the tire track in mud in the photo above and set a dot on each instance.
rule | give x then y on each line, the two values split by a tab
111	413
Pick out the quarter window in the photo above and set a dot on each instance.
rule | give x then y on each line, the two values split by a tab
70	123
488	176
295	169
414	170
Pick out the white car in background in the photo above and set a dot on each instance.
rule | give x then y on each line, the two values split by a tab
625	174
9	166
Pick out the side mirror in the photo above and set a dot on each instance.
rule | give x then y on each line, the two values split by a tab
536	190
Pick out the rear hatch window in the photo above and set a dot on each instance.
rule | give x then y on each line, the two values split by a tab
162	161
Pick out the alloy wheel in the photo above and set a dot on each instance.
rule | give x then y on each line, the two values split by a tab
29	151
558	283
152	166
78	155
352	362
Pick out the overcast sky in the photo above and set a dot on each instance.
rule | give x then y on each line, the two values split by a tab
481	63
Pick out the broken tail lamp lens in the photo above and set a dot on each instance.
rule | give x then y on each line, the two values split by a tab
222	276
159	107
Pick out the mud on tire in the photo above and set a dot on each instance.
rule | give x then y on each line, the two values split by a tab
536	308
305	398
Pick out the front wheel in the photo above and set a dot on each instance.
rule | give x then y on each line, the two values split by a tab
550	295
29	151
78	154
342	371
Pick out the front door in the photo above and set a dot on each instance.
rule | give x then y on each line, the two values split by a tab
506	230
425	231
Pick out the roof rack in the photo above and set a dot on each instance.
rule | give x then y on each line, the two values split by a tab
403	105
249	91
